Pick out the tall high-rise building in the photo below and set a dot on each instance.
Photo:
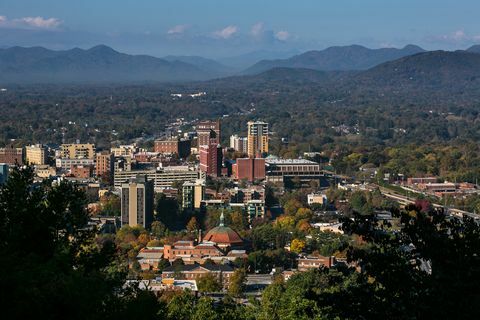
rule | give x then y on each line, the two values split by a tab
36	154
77	151
211	159
239	144
11	155
3	173
137	197
105	162
208	130
193	193
257	138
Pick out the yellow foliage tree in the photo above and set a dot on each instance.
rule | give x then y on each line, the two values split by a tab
297	245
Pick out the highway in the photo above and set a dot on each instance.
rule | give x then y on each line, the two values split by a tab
404	200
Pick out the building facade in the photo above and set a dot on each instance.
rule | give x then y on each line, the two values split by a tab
208	130
257	138
77	151
137	197
163	178
239	144
36	154
211	159
174	146
249	169
105	163
11	155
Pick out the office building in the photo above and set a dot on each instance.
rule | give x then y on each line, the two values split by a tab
65	164
3	173
105	163
257	138
11	155
208	130
193	193
287	170
137	197
77	151
126	151
250	169
163	178
36	154
211	159
181	147
239	144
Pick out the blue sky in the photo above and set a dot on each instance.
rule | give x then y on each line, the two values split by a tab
218	28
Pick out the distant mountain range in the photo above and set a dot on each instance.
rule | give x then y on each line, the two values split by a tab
345	58
409	66
209	66
98	64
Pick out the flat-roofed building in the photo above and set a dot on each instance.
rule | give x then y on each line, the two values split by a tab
137	197
315	262
65	164
239	144
77	151
36	154
193	193
181	147
163	178
208	130
11	155
285	170
105	163
250	169
257	138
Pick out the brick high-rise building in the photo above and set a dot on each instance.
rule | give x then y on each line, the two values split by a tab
257	138
250	169
211	159
208	130
137	199
105	163
11	155
177	146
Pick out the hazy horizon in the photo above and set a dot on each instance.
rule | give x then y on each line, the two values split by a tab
216	29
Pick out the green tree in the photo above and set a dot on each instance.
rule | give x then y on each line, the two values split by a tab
237	283
209	283
51	262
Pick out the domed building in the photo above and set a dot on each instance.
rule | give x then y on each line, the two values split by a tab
224	237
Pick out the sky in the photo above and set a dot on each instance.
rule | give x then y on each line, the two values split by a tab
223	28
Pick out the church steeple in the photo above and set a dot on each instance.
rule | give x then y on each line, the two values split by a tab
222	220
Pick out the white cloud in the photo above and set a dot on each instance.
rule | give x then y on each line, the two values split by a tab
458	37
282	35
30	22
257	29
178	29
226	33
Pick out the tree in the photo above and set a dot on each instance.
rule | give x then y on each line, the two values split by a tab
205	309
237	283
192	225
158	229
297	245
51	263
209	283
